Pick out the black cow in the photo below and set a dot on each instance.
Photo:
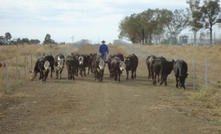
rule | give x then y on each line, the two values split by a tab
131	62
87	62
91	55
82	64
110	57
42	66
116	68
149	61
162	67
59	65
72	65
98	66
180	68
38	68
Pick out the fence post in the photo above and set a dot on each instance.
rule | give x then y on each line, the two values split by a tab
184	57
16	71
206	73
177	56
194	72
31	62
24	68
6	76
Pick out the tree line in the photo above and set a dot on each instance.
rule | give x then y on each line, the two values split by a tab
7	40
163	25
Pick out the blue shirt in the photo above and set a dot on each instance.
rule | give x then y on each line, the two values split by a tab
103	48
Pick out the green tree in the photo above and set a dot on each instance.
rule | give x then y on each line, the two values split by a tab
48	40
128	28
8	37
195	15
211	15
175	22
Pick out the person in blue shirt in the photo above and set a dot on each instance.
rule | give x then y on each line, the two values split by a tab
103	50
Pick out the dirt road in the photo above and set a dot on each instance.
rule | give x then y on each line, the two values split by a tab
85	106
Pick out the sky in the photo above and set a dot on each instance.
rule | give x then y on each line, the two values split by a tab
73	20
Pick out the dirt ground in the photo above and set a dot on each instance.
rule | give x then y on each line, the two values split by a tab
85	106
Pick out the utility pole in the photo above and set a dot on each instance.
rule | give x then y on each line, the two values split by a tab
72	37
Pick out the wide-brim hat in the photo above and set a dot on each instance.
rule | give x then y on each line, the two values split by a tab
102	41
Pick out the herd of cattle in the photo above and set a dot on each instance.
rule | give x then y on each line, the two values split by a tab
83	64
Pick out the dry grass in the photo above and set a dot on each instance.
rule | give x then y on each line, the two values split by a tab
213	54
20	59
205	98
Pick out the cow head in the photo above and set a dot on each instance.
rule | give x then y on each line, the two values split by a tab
33	74
101	65
46	65
60	62
182	80
121	66
127	61
81	60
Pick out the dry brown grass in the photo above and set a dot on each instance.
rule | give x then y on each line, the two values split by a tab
213	54
20	59
206	97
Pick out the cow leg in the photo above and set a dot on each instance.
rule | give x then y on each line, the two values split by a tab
119	77
88	70
102	75
163	79
40	75
135	74
71	74
127	74
177	81
56	73
46	75
60	73
149	72
76	72
115	76
154	78
132	74
158	77
95	75
84	71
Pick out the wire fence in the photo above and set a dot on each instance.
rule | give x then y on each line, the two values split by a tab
201	74
16	70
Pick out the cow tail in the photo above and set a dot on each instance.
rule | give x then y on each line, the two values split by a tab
180	69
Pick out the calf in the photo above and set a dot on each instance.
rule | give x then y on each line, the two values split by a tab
110	57
42	66
71	65
98	66
91	55
180	71
37	69
150	61
116	67
59	65
163	68
82	67
131	62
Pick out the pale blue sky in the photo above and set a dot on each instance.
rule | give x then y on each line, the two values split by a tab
95	20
